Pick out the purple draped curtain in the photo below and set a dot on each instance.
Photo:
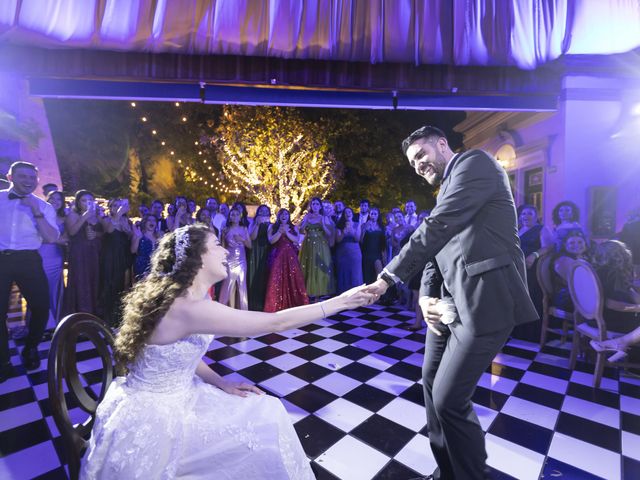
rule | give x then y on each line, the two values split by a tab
519	33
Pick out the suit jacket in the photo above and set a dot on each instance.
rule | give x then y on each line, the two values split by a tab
472	233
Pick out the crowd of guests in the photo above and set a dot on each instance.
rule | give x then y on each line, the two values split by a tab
274	264
614	260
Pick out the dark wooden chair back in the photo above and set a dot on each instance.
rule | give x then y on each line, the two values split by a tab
63	369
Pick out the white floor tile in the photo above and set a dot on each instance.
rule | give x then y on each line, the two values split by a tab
407	344
23	464
591	411
326	332
343	414
585	456
586	379
397	332
416	359
283	384
630	404
332	361
239	362
337	383
351	459
512	361
378	361
362	331
286	361
531	346
486	416
497	383
631	445
544	381
16	416
406	413
531	412
548	359
417	455
289	345
295	412
329	345
368	345
390	383
510	458
248	345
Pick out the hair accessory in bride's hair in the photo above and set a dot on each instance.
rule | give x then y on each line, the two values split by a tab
180	249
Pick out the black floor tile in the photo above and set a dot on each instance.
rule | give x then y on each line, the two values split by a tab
369	397
505	371
630	422
415	394
23	436
223	353
519	352
56	474
394	471
359	371
629	389
309	352
316	435
406	370
266	353
630	468
550	370
538	395
310	372
525	434
311	398
322	474
395	436
383	338
596	395
350	352
260	372
393	352
271	338
489	398
17	398
589	431
309	338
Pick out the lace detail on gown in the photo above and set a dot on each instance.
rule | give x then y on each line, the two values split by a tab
162	421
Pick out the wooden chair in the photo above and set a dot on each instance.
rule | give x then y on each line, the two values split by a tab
543	273
62	365
588	299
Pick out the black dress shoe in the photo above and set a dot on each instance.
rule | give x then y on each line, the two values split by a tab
30	358
6	371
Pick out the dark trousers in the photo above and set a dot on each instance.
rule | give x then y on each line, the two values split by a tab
24	267
453	365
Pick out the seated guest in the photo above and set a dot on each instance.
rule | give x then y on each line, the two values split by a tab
615	270
566	217
573	247
26	222
535	240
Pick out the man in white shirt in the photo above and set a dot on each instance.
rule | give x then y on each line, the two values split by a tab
26	222
411	217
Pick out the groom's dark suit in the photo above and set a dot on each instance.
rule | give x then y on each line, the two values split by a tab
472	233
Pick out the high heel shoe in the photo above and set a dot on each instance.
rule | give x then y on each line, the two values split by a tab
618	352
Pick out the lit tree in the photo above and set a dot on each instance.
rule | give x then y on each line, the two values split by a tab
276	156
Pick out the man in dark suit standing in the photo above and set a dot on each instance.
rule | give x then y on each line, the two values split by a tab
472	234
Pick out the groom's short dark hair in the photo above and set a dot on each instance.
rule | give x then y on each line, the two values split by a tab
427	132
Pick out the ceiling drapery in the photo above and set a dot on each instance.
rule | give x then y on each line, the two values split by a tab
522	33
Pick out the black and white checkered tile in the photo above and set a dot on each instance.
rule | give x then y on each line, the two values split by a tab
352	387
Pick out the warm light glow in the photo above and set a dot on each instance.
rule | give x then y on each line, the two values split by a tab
195	143
144	119
133	104
163	142
184	119
153	132
177	104
172	152
179	161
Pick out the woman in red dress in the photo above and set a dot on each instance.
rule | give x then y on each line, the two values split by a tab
285	284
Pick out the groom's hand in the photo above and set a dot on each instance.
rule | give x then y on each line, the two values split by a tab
377	288
431	313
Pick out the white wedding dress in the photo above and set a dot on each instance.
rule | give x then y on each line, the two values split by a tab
162	421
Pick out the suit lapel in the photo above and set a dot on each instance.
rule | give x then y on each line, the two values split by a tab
447	179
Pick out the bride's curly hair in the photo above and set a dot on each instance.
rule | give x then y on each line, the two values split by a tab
149	300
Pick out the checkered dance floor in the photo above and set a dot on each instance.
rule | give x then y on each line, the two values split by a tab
351	385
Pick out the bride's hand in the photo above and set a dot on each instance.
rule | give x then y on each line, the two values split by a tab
357	297
239	388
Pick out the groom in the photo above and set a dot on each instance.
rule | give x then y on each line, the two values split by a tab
472	233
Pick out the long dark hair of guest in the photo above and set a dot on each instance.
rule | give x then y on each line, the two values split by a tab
61	212
149	299
615	256
342	221
78	197
276	225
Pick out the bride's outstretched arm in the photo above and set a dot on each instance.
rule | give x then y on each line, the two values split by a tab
205	316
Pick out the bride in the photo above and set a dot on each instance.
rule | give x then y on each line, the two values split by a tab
174	417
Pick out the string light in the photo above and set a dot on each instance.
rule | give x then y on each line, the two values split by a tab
144	119
184	119
177	104
153	132
133	104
